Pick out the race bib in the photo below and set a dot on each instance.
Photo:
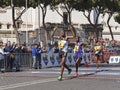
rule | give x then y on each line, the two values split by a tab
61	44
96	48
76	48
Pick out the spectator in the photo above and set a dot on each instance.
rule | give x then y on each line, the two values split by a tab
7	50
39	55
50	48
1	55
34	55
98	54
17	52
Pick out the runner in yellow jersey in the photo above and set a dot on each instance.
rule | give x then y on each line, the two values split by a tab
78	51
78	54
63	47
98	54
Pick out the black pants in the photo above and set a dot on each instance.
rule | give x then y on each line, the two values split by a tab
62	54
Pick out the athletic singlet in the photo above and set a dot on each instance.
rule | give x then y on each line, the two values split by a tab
78	47
63	45
97	48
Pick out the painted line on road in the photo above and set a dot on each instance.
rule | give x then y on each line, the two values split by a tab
89	68
81	73
11	86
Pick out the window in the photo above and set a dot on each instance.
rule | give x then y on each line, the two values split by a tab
0	25
8	26
18	25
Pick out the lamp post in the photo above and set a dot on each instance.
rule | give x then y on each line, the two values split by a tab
65	14
65	17
39	30
26	24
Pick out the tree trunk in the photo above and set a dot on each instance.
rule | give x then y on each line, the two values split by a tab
69	17
46	34
110	15
14	26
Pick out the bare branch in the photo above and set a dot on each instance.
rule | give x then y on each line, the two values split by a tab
23	11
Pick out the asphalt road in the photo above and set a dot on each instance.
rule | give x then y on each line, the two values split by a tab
108	78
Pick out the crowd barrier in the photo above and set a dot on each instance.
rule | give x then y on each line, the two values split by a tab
52	59
105	56
21	60
114	59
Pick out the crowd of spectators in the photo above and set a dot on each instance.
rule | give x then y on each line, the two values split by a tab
10	48
107	45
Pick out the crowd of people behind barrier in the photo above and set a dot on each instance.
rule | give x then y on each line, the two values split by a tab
9	49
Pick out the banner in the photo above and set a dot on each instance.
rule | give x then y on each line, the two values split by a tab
53	60
114	59
49	60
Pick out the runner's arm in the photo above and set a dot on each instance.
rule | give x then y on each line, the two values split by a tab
72	29
52	35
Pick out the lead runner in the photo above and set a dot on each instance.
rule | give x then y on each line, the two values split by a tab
63	48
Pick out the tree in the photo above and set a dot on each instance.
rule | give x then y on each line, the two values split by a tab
112	6
3	3
43	5
65	4
69	8
17	4
87	7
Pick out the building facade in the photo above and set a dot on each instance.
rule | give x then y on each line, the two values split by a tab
32	21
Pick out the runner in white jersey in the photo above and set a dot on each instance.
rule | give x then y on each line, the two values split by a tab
63	47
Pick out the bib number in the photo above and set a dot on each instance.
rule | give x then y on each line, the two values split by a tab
76	48
60	44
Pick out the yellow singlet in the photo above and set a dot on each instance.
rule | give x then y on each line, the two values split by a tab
61	44
96	48
76	48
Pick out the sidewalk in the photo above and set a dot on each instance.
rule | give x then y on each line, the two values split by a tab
92	65
104	65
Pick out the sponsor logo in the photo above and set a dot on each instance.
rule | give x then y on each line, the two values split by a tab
58	59
116	59
52	59
74	58
112	59
70	58
45	59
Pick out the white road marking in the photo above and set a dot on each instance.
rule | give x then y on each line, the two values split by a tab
26	83
81	73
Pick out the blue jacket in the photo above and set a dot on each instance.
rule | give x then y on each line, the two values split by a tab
34	51
7	49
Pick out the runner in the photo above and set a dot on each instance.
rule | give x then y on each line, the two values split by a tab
98	54
63	46
78	54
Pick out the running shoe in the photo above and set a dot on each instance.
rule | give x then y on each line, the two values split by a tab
69	71
59	78
76	75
